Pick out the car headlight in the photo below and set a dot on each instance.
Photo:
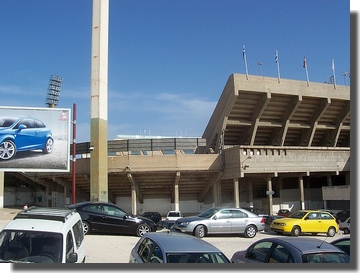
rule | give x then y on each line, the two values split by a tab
282	224
184	224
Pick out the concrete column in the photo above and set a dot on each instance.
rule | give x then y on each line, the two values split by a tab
301	187
236	193
328	180
216	192
99	102
133	200
250	193
269	186
176	197
2	186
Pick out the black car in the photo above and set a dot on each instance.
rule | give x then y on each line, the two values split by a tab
343	215
102	217
153	215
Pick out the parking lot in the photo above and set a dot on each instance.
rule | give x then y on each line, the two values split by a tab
116	248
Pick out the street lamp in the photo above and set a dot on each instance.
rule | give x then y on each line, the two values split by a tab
345	74
53	94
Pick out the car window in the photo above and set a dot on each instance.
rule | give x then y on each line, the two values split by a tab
145	249
326	258
281	255
298	215
110	210
69	244
224	214
78	233
259	251
313	216
238	214
326	216
156	256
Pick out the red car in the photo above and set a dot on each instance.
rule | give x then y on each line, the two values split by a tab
283	212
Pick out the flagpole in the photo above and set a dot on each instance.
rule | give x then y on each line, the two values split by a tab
333	69
244	57
306	70
278	65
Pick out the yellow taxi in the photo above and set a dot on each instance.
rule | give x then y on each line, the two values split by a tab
306	221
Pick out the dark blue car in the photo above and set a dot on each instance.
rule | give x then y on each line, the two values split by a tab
23	134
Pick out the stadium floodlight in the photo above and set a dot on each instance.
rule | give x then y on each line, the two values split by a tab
53	94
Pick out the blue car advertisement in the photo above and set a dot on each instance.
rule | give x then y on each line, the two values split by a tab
34	139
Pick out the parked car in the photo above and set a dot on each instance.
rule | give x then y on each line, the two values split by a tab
306	221
256	211
345	226
268	221
153	215
220	220
165	224
173	215
290	250
23	134
343	243
170	247
43	235
283	212
343	215
104	217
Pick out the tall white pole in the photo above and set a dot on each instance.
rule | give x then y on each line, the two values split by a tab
244	57
99	102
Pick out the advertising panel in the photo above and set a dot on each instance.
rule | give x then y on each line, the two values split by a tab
34	139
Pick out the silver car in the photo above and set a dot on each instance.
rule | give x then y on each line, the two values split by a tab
174	247
220	221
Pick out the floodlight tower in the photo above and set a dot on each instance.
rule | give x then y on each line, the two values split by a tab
53	94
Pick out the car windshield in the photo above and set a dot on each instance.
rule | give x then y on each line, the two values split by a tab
208	213
326	257
30	246
298	215
6	122
196	258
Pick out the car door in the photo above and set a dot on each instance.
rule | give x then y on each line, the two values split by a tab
114	220
220	222
312	223
238	221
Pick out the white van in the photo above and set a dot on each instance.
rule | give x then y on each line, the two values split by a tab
43	235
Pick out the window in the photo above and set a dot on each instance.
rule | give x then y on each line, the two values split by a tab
238	214
145	249
156	255
281	255
259	251
78	233
224	214
69	244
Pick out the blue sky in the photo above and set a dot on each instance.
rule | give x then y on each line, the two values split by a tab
168	60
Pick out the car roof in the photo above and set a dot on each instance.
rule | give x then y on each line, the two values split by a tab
178	242
305	245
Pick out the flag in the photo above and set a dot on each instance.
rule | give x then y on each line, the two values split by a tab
304	63
245	62
332	65
244	52
276	56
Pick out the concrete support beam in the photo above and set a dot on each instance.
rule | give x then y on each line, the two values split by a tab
270	199
301	188
236	193
176	191
134	192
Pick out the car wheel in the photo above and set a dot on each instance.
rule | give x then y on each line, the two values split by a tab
49	145
200	231
142	229
331	232
7	150
250	231
295	231
86	227
346	231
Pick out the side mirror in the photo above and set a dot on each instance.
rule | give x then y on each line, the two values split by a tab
72	258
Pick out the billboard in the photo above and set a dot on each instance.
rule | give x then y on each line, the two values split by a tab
34	139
